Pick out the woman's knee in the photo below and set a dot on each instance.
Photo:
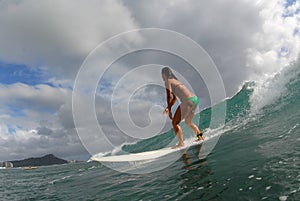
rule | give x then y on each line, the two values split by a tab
175	125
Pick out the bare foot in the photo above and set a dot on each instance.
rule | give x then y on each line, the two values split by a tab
177	146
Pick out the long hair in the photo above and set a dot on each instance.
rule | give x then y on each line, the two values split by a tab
168	73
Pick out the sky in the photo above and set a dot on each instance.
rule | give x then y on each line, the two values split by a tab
44	46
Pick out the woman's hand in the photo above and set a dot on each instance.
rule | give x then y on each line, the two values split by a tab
166	112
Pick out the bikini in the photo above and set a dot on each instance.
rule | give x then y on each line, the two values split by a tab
194	99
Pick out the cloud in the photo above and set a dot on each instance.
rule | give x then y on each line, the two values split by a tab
244	38
34	97
45	126
277	43
26	107
22	144
222	28
55	36
58	34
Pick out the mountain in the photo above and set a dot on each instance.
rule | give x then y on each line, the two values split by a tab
49	159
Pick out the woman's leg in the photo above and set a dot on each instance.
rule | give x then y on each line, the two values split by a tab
180	113
189	122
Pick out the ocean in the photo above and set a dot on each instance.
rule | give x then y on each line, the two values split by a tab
257	157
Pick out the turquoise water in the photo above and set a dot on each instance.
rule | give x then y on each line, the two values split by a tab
257	158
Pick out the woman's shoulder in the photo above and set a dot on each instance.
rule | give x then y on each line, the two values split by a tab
174	82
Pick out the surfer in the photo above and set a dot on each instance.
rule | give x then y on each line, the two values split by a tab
186	109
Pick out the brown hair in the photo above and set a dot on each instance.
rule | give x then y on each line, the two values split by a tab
168	73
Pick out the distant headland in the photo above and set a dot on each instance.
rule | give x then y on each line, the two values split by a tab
49	159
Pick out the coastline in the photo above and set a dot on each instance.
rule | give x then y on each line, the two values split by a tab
31	162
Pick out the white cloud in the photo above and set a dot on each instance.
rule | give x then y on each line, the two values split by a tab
63	143
58	34
26	107
236	34
42	124
39	96
222	28
276	45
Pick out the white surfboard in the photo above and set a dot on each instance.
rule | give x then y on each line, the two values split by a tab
148	155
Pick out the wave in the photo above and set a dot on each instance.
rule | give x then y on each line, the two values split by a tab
255	98
237	108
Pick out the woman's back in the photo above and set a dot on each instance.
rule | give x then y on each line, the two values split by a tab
179	89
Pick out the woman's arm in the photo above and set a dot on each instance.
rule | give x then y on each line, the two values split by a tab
171	98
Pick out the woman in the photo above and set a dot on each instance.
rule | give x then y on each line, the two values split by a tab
185	110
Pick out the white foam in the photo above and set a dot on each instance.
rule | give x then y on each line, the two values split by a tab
294	191
271	87
251	176
283	198
101	154
115	151
293	128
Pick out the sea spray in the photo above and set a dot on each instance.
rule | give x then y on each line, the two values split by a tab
271	88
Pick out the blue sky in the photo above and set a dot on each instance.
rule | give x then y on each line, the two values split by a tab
13	111
290	2
13	73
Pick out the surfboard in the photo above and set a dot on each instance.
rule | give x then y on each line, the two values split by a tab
147	155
